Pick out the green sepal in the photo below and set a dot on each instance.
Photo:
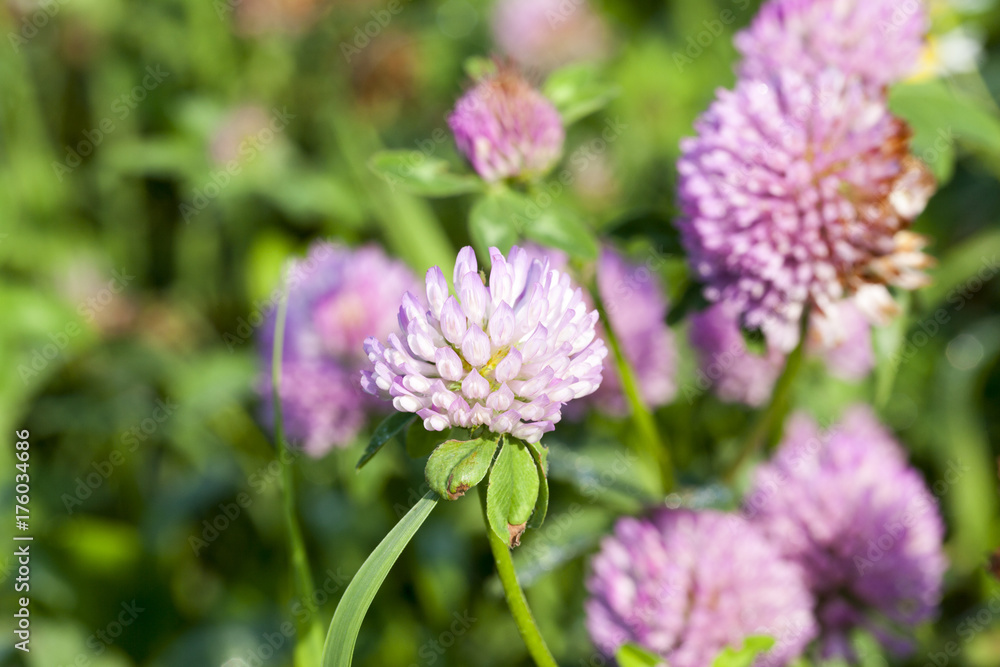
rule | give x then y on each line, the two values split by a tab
458	465
512	492
540	454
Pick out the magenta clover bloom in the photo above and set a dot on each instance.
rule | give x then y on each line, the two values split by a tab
685	585
546	34
505	354
798	191
862	524
879	41
336	297
507	129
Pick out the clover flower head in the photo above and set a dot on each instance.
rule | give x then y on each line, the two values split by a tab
799	191
673	584
320	405
546	34
504	353
506	128
336	297
861	523
880	41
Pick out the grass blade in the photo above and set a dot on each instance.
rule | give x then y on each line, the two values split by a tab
346	623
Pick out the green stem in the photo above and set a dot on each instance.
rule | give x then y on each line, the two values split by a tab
767	429
312	632
515	596
650	442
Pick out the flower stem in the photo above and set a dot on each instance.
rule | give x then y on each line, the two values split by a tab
515	596
767	429
650	442
311	649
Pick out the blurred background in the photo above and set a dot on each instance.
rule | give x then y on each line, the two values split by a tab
136	264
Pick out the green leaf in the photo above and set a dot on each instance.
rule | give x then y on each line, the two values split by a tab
557	226
478	67
576	91
422	175
540	454
887	342
633	655
938	116
389	427
420	442
512	492
493	221
339	648
653	226
744	657
963	271
692	300
458	465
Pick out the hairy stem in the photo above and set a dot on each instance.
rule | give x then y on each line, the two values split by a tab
515	596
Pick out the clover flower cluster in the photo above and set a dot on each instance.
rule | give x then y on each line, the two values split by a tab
505	354
799	190
881	41
673	585
862	524
837	533
506	128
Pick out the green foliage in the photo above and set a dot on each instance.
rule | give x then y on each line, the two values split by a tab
343	634
633	655
512	491
389	428
494	221
744	656
458	465
939	114
422	175
145	404
577	91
